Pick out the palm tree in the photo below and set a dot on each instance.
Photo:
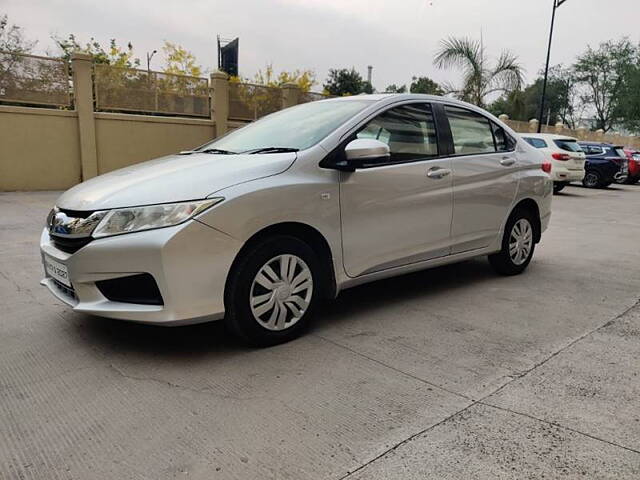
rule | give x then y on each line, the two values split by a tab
480	79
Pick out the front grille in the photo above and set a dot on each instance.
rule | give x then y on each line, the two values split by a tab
140	289
73	230
69	245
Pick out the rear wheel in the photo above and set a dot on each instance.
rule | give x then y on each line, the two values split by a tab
518	244
558	186
592	179
272	291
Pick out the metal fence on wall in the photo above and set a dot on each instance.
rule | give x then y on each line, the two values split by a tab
33	80
306	97
250	102
145	91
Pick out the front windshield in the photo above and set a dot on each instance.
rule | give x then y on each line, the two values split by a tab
297	128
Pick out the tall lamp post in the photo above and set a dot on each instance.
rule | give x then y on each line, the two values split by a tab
556	4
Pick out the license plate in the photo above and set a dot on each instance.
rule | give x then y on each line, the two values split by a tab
56	270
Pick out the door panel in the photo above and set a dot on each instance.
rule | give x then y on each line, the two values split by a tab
395	215
398	212
484	190
485	178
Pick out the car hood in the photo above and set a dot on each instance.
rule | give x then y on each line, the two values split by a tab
173	178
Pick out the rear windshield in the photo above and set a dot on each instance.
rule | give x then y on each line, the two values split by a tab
620	152
536	142
568	145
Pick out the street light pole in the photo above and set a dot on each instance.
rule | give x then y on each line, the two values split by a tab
149	57
556	4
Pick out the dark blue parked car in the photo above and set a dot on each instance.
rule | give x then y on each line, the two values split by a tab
605	164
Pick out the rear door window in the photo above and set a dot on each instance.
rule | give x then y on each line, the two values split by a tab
471	132
568	145
536	142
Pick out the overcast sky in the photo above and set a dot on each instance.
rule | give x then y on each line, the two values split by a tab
398	37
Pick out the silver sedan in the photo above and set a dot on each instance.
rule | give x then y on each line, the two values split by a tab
259	225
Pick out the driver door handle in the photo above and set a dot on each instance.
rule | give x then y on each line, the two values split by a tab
507	161
437	172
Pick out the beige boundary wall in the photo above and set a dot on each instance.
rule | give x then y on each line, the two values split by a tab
54	149
581	133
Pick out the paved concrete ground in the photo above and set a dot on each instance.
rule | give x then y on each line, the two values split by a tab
449	373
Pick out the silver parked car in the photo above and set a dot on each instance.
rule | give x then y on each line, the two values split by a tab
259	225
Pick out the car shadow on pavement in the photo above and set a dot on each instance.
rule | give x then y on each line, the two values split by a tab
212	337
406	288
564	193
181	341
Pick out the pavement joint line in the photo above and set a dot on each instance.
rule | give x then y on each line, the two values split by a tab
390	367
406	440
559	425
481	400
562	349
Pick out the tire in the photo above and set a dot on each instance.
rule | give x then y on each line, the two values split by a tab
592	179
280	311
558	186
632	180
504	262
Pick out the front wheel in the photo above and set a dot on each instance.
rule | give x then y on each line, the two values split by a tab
518	245
272	291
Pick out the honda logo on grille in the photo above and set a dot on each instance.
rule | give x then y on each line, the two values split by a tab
60	224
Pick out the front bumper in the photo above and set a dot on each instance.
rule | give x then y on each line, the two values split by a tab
189	263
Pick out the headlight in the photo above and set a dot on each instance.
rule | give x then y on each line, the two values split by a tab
136	219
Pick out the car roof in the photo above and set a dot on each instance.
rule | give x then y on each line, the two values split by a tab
390	98
547	136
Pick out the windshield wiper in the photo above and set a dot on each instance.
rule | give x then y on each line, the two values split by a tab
217	150
271	150
208	150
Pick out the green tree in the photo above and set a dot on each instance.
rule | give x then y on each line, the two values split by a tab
425	85
114	55
11	38
180	61
562	102
480	79
629	106
346	81
393	88
604	73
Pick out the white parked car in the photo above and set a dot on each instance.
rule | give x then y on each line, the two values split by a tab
259	225
566	157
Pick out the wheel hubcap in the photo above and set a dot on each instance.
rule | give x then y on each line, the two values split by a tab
281	292
520	241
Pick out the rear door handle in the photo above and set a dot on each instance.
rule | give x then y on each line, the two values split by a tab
437	172
507	161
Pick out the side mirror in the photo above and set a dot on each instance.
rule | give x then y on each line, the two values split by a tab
364	152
